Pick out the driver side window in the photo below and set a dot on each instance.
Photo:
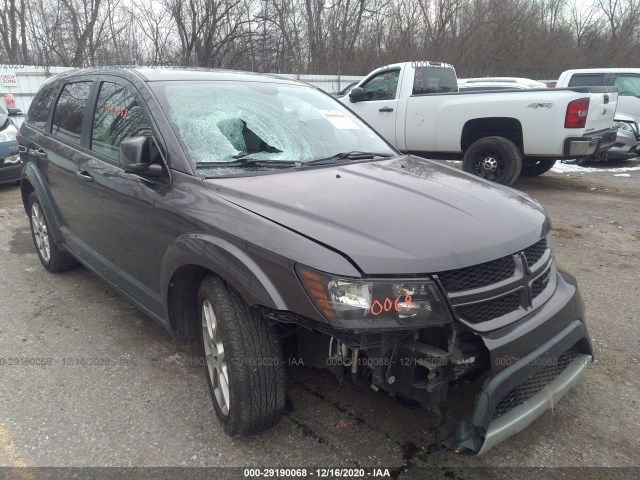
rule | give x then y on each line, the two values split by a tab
118	116
383	86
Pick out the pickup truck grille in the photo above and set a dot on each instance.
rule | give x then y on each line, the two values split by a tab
501	291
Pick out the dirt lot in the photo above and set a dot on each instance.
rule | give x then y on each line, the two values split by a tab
150	407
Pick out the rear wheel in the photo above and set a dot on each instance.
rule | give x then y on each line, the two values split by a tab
52	258
533	168
497	159
245	367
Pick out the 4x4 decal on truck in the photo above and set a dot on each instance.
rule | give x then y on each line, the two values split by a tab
540	105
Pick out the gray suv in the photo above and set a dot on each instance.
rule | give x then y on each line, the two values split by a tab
262	220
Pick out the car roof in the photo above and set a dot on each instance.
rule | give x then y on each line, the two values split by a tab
603	70
148	74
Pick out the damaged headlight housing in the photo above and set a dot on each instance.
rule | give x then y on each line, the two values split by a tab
372	303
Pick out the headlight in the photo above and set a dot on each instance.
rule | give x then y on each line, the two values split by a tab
622	126
8	134
359	303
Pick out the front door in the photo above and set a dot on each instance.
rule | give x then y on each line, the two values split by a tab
379	108
118	208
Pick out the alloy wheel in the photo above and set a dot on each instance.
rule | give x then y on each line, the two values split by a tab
215	356
40	232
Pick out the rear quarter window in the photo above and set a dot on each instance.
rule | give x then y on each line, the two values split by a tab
587	80
39	109
434	80
69	111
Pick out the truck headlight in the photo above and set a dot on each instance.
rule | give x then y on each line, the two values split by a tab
372	303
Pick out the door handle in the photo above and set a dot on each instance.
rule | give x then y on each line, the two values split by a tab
40	153
84	175
386	109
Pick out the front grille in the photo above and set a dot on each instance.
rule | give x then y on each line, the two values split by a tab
501	285
537	382
487	273
535	252
478	275
540	283
483	312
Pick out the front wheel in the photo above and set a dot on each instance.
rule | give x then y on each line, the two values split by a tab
497	159
533	167
245	367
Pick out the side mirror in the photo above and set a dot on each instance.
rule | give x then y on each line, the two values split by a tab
135	157
357	94
14	112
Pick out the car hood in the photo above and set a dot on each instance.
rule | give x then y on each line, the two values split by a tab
399	216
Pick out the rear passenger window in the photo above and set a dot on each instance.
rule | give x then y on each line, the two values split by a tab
69	112
118	116
434	80
39	109
587	80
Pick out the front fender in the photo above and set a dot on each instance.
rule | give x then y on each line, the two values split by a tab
224	259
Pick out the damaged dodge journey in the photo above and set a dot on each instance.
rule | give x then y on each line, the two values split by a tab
261	220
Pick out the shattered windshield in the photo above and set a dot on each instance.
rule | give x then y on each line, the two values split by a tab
228	128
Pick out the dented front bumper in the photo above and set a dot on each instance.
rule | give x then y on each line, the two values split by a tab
517	395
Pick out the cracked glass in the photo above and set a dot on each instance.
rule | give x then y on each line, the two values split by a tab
226	122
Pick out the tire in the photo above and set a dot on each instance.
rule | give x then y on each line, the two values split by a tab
241	350
533	167
497	159
51	256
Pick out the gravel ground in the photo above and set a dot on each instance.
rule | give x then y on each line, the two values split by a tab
149	406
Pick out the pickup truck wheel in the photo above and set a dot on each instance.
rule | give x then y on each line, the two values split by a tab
243	356
51	257
497	159
533	167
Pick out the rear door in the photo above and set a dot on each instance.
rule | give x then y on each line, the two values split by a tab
380	105
116	221
57	153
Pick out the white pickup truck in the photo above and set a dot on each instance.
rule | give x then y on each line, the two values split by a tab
498	134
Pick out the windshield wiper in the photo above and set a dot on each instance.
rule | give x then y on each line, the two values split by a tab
354	155
247	162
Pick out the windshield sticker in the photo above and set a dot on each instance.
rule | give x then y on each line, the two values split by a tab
339	120
113	109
